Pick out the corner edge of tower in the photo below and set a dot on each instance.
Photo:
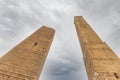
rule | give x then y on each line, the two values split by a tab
77	18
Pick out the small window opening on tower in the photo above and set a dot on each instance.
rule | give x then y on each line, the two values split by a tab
35	43
43	48
115	74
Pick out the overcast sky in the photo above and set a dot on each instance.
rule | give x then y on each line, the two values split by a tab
20	18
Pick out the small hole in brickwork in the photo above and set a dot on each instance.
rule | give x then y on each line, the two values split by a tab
35	43
115	74
43	48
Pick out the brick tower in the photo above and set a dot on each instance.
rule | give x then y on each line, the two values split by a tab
100	61
25	61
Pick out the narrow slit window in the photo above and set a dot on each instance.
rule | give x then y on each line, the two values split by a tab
43	48
35	44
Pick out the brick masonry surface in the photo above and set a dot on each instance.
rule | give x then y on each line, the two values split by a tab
25	61
100	61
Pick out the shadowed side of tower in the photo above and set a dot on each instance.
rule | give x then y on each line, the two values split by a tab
100	61
25	61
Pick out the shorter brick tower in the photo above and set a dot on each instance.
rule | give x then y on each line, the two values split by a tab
100	61
25	61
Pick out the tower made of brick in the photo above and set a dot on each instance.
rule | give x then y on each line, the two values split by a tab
100	61
25	61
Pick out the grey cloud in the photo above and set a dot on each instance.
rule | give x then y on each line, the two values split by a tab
98	8
114	39
66	69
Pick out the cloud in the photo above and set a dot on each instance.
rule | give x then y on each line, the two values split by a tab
19	18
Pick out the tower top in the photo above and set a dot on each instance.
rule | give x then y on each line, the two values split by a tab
47	27
77	18
84	30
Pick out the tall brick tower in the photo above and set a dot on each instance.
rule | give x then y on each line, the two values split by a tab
25	61
100	61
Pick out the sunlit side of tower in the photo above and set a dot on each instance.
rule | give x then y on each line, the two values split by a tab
25	61
100	61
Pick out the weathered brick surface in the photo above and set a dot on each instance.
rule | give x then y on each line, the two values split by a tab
100	61
25	61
